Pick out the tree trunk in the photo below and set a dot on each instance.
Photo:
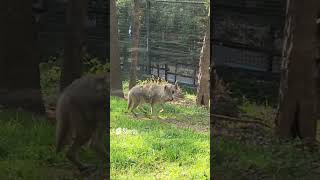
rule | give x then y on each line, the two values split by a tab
318	64
107	4
75	41
203	93
297	108
213	77
115	80
135	43
19	58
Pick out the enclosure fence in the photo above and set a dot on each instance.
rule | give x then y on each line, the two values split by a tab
171	36
248	35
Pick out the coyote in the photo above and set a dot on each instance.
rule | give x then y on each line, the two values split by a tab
82	118
153	93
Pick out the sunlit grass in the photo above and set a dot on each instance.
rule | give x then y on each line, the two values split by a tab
147	148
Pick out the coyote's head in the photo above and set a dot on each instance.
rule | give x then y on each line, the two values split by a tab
171	92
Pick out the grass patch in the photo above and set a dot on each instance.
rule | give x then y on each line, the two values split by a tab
159	148
236	160
27	149
259	154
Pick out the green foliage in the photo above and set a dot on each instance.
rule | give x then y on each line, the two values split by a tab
50	71
187	20
207	4
181	25
124	14
49	79
93	65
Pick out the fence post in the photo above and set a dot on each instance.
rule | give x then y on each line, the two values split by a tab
166	72
194	75
272	49
148	37
175	72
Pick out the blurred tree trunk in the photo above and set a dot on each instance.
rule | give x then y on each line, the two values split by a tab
19	58
107	4
318	65
115	80
203	93
213	82
75	41
107	133
135	43
297	108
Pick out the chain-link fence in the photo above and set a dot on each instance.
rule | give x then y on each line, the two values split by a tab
248	35
171	36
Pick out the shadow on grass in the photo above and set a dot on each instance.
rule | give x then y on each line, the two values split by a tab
27	149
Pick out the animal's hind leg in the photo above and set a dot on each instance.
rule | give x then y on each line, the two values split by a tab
100	149
153	110
72	153
98	140
129	102
135	105
143	109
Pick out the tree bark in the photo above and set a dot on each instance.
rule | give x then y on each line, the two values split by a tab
203	93
19	58
75	41
213	78
317	73
115	80
297	108
135	43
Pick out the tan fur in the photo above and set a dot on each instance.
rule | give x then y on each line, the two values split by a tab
152	94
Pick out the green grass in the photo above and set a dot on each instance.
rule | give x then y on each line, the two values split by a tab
248	159
236	160
27	149
144	148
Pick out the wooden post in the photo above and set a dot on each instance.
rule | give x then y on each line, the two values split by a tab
194	75
158	70
166	72
272	49
175	72
126	65
148	37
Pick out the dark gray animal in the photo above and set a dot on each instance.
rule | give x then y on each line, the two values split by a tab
82	117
